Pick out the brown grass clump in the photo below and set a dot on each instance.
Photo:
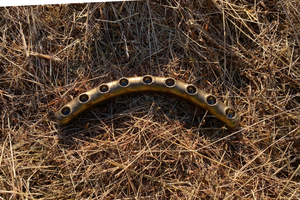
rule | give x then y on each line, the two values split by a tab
151	146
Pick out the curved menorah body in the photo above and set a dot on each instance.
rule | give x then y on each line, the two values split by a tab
147	84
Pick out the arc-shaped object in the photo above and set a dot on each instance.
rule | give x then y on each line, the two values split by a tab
147	84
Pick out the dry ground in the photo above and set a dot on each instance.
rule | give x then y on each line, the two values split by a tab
151	146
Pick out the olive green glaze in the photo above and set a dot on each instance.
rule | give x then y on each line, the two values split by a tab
147	84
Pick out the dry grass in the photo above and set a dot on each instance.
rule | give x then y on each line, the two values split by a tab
151	146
